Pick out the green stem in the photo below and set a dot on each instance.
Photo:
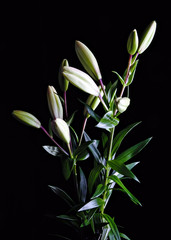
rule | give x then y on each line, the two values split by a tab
108	168
102	101
74	170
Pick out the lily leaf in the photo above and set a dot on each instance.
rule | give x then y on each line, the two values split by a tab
132	73
124	236
54	151
92	204
113	226
93	149
62	194
83	186
120	78
132	151
81	149
108	121
121	135
119	182
93	176
99	191
122	169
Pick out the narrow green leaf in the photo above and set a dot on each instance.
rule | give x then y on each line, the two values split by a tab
89	217
54	151
82	148
92	204
67	167
121	135
119	182
111	92
122	169
132	151
67	217
120	78
83	186
108	121
93	149
113	226
132	73
124	236
129	166
91	112
93	176
99	191
62	194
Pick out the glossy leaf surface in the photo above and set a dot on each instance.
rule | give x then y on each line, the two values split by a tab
92	204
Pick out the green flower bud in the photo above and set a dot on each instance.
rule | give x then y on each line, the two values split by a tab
81	80
132	43
88	60
61	129
122	104
93	102
63	83
54	103
147	37
26	118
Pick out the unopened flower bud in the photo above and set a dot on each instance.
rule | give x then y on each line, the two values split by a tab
122	104
147	37
81	80
88	60
61	129
93	102
63	83
26	118
54	103
132	43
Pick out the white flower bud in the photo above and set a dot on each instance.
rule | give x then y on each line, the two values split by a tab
26	118
88	60
61	129
122	104
81	80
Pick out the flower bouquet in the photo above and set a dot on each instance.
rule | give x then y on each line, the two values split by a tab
87	206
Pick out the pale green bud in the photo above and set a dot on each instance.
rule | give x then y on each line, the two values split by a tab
81	80
26	118
54	103
147	37
93	102
61	129
63	83
132	43
122	104
88	60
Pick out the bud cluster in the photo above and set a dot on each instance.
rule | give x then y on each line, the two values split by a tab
133	44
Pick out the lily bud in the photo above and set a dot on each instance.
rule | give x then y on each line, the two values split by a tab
122	104
81	80
88	60
61	129
26	118
93	102
63	83
147	37
132	43
54	103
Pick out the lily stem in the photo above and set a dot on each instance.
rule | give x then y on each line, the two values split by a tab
44	130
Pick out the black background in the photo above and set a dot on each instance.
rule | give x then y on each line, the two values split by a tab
35	38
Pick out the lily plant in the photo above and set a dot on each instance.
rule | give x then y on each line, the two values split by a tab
87	208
